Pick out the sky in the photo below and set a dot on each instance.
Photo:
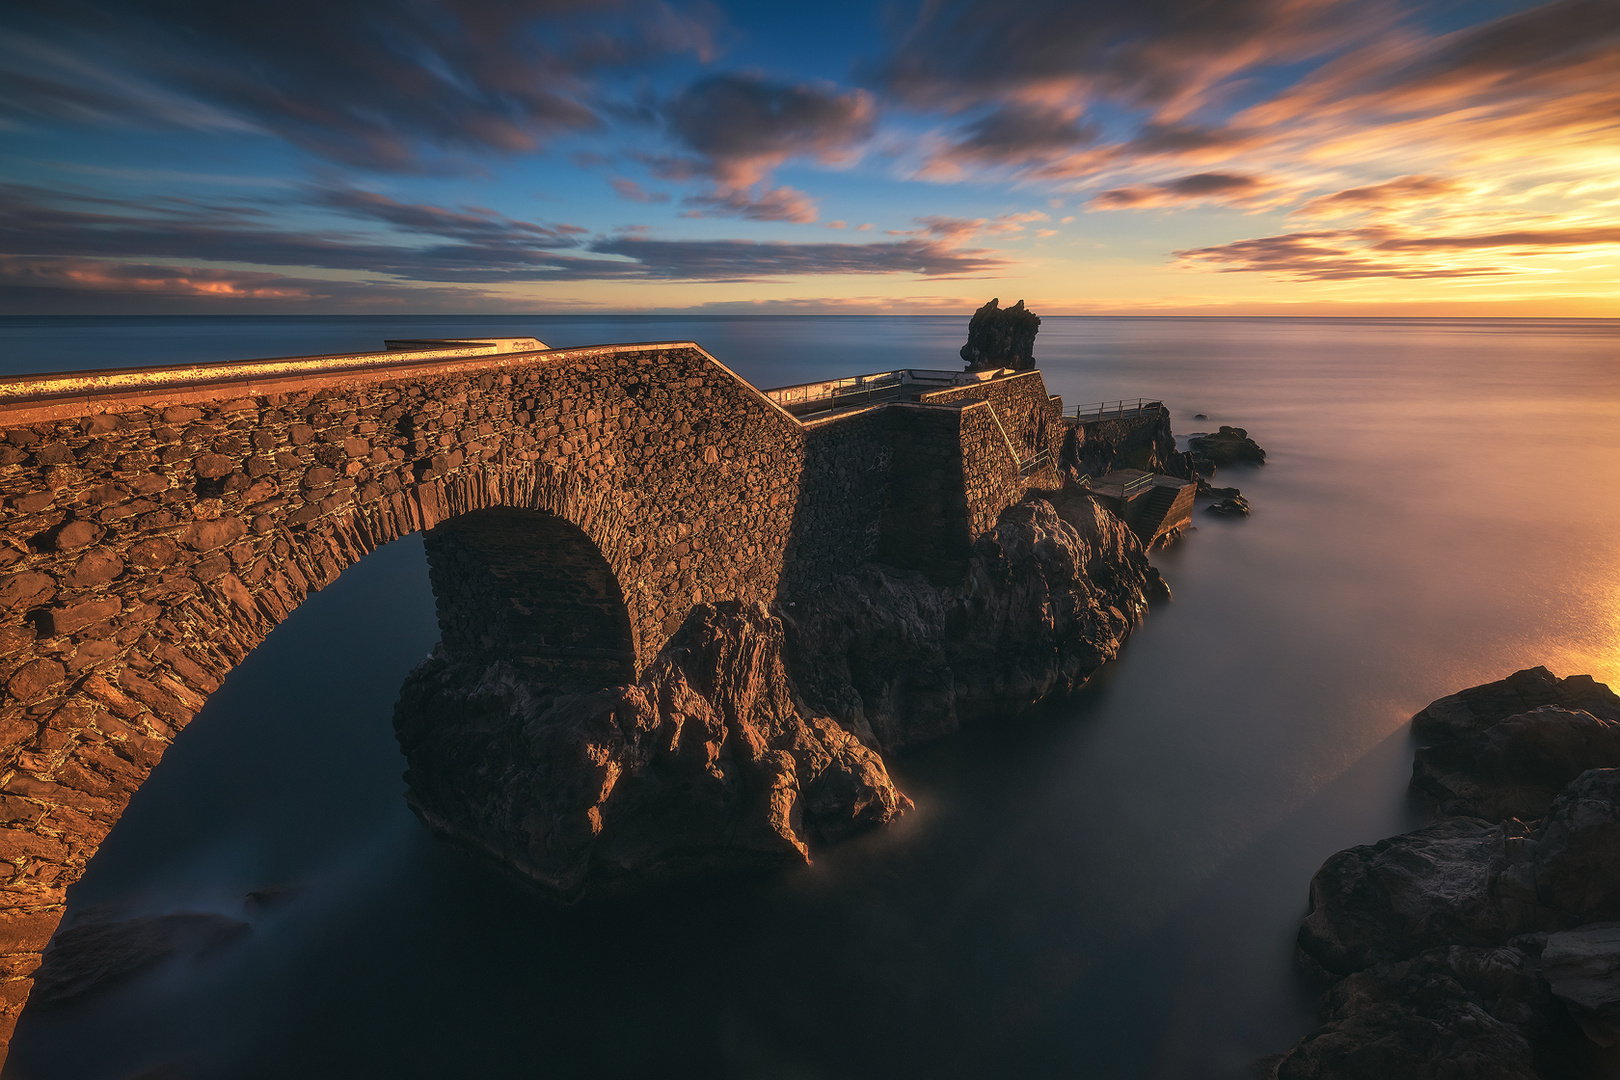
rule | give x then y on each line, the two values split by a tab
1134	157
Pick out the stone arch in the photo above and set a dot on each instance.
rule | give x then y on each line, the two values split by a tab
531	587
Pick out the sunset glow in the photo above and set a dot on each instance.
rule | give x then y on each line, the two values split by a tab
1357	157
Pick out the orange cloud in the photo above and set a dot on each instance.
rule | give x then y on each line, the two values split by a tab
1337	255
1401	192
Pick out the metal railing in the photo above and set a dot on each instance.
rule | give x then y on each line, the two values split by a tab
837	393
1034	464
859	389
1131	487
1125	408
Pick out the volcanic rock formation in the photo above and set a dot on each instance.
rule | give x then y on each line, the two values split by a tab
707	762
1482	946
1228	446
713	760
1050	595
1001	338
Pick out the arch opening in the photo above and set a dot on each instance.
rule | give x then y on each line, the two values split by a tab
531	588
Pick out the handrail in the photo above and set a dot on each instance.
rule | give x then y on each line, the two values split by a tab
1130	487
1118	409
857	388
1034	464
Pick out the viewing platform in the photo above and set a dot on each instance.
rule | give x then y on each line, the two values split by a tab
815	399
1152	504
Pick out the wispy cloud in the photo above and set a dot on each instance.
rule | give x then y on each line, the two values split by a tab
626	188
1199	187
63	285
956	230
745	260
738	127
1339	255
773	204
431	244
1401	193
1163	55
369	83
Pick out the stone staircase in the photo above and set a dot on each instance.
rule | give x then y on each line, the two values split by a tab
1154	507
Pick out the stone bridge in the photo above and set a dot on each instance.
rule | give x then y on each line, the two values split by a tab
159	522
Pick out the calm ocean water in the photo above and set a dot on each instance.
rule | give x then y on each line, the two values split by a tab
1108	889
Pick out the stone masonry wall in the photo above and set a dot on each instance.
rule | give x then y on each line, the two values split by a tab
925	518
148	549
1008	421
1032	418
848	470
149	540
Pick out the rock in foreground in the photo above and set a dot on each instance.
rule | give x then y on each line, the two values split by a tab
1515	768
1463	881
1474	949
1449	1014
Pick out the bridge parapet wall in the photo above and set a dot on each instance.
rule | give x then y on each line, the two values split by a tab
155	526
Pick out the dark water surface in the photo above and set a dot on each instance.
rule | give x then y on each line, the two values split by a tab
1106	889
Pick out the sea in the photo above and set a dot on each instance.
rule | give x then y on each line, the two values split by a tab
1108	887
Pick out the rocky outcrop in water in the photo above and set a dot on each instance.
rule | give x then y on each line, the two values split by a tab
714	761
1001	337
709	762
1507	748
1464	881
1050	595
1228	446
1231	506
1096	447
1482	946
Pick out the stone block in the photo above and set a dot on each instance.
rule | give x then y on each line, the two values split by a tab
153	554
97	567
71	618
71	535
34	678
209	535
213	466
26	589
